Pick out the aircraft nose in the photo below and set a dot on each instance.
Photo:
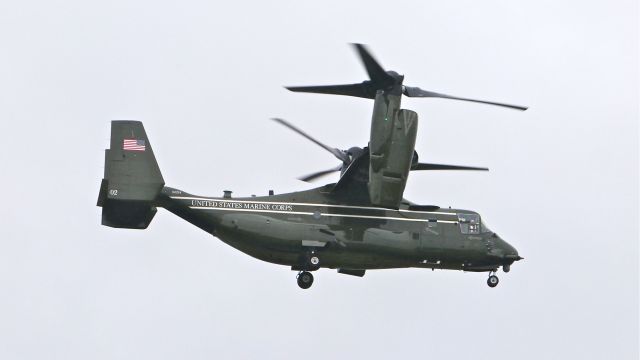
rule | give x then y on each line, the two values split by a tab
504	250
509	251
509	254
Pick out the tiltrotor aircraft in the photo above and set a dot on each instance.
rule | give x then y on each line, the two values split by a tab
362	222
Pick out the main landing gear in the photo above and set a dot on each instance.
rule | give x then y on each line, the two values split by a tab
493	280
305	279
310	262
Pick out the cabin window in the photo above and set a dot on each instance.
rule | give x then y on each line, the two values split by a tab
432	223
469	223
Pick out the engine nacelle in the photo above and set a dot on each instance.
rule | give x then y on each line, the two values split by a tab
391	152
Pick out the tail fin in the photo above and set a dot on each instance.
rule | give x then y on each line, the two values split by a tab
132	178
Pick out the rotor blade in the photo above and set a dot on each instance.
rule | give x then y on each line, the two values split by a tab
336	152
319	174
376	71
357	90
427	166
417	92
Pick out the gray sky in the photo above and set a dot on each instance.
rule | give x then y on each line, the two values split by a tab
205	77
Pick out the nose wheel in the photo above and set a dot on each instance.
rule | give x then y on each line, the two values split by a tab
493	280
305	279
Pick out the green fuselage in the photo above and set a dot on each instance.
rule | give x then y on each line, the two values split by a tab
361	222
280	228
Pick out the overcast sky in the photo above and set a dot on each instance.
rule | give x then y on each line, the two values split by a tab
205	77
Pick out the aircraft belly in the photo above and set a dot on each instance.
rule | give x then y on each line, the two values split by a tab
281	240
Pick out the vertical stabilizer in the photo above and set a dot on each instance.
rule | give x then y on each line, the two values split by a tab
132	178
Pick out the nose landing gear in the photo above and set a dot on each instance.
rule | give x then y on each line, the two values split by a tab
493	280
305	279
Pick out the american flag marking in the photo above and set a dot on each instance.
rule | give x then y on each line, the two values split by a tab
133	145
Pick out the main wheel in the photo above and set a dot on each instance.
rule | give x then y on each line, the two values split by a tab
492	281
305	280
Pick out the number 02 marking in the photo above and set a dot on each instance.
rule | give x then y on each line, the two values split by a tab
113	192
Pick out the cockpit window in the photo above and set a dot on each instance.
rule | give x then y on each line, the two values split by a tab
469	223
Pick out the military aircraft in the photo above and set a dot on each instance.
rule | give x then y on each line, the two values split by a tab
360	223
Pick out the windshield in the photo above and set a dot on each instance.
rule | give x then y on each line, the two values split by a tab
472	224
469	223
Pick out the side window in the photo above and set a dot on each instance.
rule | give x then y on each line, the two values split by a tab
469	223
